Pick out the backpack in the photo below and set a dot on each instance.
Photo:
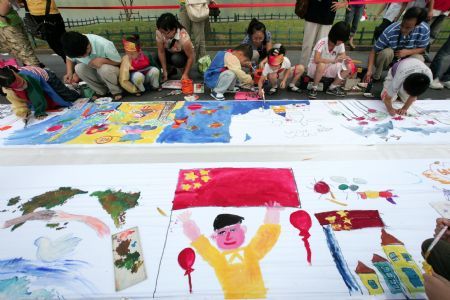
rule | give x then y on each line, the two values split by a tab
197	10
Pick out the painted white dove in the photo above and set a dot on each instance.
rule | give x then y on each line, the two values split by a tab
48	250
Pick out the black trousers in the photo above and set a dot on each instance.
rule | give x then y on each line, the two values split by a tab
60	88
54	32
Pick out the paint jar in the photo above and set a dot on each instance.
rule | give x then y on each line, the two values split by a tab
187	86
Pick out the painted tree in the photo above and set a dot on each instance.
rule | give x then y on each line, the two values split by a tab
128	11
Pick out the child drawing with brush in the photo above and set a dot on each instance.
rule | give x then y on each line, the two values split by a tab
28	92
278	68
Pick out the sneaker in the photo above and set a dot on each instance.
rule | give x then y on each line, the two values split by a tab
447	84
217	96
312	94
272	91
436	85
233	90
337	91
295	89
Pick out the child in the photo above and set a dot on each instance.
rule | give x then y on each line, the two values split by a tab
260	39
279	67
24	91
327	58
226	68
138	65
95	60
407	79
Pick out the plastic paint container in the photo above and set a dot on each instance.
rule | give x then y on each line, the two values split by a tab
187	86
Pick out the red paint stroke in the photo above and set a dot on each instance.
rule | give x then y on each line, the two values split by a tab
371	110
363	123
208	111
302	221
361	268
359	118
186	259
54	128
124	235
4	128
431	122
321	187
387	194
178	122
398	118
97	128
350	219
373	119
195	106
388	239
235	187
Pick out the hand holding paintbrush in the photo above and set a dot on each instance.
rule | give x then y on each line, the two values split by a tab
440	233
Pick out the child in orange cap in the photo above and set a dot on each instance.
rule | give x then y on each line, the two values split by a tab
279	67
136	69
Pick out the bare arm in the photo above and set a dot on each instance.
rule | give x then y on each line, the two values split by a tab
69	71
5	7
189	50
370	64
430	6
162	58
406	106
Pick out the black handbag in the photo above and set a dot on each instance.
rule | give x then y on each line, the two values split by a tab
35	28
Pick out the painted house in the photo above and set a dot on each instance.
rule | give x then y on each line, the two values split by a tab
404	265
369	279
390	278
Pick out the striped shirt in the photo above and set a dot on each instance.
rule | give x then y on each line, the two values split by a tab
35	70
418	38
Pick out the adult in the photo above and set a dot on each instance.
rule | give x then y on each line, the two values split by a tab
352	18
175	48
195	29
54	28
13	38
392	12
95	61
260	39
407	38
441	10
440	67
318	20
425	4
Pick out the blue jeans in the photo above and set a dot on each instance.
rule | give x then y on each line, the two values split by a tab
353	16
440	66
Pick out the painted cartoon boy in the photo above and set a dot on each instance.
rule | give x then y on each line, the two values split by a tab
236	267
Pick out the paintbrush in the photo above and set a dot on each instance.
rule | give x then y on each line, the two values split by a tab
435	241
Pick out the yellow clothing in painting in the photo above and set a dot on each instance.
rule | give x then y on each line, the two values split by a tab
238	270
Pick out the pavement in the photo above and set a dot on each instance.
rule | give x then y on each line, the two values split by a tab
55	63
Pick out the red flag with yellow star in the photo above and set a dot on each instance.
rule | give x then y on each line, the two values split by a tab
350	219
235	187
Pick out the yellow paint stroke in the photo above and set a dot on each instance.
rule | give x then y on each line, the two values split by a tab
186	187
206	178
336	201
190	176
161	212
372	283
204	172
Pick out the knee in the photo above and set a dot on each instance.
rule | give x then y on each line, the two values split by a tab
80	68
154	72
137	77
179	60
272	76
387	53
321	67
299	69
229	74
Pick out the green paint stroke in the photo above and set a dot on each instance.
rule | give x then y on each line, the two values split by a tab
117	203
48	200
13	201
129	261
52	225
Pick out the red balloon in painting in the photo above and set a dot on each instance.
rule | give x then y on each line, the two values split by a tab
301	220
186	259
322	187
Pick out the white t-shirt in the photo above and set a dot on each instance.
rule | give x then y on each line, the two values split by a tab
322	47
284	66
392	11
403	69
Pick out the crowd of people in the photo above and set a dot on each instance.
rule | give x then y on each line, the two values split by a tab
400	47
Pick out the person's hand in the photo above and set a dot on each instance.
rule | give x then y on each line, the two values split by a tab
436	287
75	78
165	76
368	77
68	78
441	223
392	111
430	15
261	93
401	53
283	84
190	229
338	5
185	76
402	111
96	63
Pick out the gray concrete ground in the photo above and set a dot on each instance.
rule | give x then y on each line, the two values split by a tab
55	63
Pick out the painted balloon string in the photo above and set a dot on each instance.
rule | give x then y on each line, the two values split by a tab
323	188
186	259
302	221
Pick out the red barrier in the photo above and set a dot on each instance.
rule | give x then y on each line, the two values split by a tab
222	5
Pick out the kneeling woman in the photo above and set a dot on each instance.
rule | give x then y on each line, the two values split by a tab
175	48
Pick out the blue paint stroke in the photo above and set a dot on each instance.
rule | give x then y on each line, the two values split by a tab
19	288
59	274
132	137
382	130
390	278
426	130
73	124
247	137
340	262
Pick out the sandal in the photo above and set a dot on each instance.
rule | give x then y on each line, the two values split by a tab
117	97
272	91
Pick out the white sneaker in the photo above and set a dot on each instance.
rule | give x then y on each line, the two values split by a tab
436	85
447	84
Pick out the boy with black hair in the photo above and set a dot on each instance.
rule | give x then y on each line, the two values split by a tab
278	66
408	38
406	80
236	267
226	69
328	60
95	60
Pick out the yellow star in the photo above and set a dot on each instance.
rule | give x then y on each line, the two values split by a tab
204	172
347	220
190	176
331	219
342	213
186	187
197	185
346	227
336	227
206	178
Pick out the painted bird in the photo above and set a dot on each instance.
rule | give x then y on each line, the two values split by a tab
48	250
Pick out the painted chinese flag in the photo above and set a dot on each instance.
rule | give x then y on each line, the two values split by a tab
235	187
350	219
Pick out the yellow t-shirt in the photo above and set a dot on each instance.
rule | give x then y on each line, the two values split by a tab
238	270
37	7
